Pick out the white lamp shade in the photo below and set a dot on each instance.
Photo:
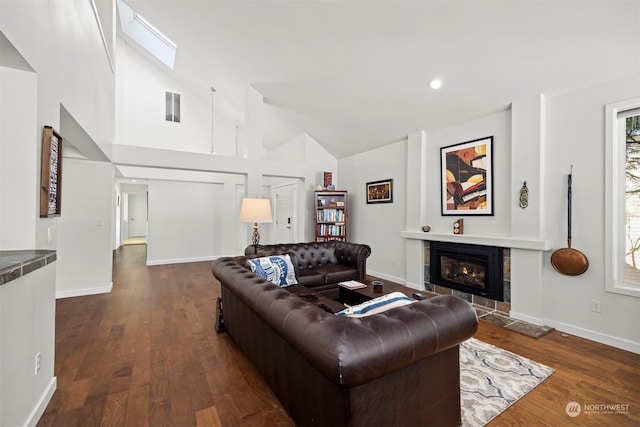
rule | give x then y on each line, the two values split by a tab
255	210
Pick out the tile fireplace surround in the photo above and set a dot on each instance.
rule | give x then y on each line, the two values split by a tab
503	306
492	311
523	264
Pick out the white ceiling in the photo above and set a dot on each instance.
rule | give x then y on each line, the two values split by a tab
354	74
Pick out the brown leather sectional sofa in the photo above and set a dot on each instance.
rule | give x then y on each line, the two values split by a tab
397	368
320	266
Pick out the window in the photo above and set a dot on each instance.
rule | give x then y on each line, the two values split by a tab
172	107
632	197
622	195
146	35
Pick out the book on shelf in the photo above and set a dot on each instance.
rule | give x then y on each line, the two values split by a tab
352	284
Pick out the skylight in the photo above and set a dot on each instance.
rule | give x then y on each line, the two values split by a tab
146	35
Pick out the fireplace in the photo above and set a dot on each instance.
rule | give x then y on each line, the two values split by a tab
474	269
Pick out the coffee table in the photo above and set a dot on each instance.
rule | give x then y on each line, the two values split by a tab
358	296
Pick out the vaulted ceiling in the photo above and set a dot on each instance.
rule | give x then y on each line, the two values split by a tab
355	74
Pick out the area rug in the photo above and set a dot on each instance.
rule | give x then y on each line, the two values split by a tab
492	379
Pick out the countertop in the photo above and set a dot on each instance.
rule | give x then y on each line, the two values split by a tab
15	264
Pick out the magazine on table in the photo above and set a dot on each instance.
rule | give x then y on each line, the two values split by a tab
352	284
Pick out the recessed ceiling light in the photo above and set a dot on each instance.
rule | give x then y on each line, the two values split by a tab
435	84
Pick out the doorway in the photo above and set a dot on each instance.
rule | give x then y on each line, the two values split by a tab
285	213
134	218
137	215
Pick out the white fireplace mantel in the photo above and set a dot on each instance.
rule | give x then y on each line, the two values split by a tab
503	242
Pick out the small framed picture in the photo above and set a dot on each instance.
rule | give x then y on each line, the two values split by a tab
467	177
380	191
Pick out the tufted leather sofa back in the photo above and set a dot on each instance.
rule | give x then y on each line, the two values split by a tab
319	254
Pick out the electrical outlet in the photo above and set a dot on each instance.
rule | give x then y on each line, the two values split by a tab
596	306
38	363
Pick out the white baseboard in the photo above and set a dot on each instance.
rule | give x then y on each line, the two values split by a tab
620	343
394	279
84	292
184	260
44	400
416	286
527	318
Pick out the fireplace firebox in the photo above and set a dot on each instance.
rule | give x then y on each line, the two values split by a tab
474	269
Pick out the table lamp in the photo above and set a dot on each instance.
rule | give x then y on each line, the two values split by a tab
255	210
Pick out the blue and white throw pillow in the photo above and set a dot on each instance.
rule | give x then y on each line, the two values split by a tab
377	305
277	269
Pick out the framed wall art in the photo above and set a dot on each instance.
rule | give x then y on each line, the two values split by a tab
467	178
51	173
380	191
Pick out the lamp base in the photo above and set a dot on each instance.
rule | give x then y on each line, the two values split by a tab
255	238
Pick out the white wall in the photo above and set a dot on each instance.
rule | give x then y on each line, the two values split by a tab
27	327
575	135
19	168
62	43
185	221
498	125
141	86
566	129
315	159
378	225
84	230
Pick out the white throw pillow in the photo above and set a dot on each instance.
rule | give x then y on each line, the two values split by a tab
377	305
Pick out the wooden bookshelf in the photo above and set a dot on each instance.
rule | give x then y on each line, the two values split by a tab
331	213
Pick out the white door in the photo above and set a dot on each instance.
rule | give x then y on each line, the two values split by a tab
284	203
137	215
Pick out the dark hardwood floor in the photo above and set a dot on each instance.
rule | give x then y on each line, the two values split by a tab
147	355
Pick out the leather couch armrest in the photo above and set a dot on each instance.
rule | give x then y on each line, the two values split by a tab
354	255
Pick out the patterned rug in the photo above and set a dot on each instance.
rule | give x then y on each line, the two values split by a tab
492	379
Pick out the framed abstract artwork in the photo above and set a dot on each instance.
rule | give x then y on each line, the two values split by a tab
380	191
467	178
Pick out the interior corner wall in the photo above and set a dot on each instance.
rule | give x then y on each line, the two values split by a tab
291	151
317	160
61	41
84	264
71	62
378	225
141	85
116	221
305	150
19	168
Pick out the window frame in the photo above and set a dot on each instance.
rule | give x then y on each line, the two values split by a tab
615	203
